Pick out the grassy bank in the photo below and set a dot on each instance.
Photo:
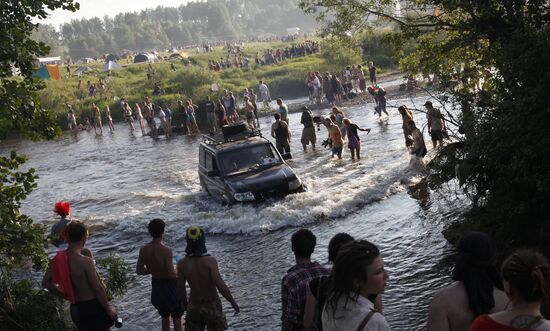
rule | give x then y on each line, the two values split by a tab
192	79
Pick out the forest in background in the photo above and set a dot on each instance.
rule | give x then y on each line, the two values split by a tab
190	24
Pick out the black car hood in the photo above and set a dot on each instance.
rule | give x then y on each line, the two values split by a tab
263	179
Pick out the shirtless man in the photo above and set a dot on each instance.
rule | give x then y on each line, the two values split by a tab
156	259
200	270
96	115
335	137
91	309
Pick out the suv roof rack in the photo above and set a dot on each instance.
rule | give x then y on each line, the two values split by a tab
220	138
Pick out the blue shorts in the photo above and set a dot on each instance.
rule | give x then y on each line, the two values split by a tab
337	150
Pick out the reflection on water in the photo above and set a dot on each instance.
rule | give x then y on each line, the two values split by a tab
118	182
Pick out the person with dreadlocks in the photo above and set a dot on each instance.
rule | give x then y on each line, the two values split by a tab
357	275
476	290
200	270
58	234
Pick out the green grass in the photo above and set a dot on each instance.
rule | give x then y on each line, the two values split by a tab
285	80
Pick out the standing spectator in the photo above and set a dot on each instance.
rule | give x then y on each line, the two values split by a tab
96	116
210	113
127	111
335	138
526	275
200	270
249	112
295	282
358	274
140	119
418	149
168	119
282	110
281	133
354	142
182	111
162	117
109	118
253	98
308	132
407	116
220	114
155	259
436	124
75	274
71	119
191	119
372	73
265	96
476	290
362	81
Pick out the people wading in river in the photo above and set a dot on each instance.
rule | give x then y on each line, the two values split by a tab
354	142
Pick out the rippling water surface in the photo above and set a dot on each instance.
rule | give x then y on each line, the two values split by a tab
118	182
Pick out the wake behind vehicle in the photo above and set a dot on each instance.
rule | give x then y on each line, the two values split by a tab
240	165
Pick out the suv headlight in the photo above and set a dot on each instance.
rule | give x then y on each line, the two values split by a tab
294	184
244	196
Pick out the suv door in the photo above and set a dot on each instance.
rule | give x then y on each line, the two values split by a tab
213	178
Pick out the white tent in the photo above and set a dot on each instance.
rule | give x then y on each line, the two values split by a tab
111	65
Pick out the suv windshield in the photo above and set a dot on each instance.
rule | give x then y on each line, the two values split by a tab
249	158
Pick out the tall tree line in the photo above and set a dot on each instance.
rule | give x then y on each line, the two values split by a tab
164	27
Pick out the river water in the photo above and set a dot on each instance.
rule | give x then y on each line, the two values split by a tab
118	182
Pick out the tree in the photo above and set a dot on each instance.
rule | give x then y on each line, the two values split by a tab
19	106
492	59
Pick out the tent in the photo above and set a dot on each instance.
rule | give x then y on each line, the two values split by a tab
84	69
141	58
111	65
111	57
48	71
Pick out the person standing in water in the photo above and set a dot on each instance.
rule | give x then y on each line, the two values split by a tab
200	271
96	115
155	259
109	119
140	119
308	132
127	112
354	142
407	116
335	137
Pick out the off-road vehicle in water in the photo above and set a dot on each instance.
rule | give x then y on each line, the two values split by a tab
240	165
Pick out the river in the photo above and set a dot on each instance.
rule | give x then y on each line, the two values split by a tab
118	182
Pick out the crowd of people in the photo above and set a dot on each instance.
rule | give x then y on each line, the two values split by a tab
344	294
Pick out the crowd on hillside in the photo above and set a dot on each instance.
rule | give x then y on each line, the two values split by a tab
237	59
346	293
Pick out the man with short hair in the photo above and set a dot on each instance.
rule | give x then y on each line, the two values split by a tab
308	132
155	259
335	137
73	276
200	270
264	94
283	110
281	133
436	124
295	282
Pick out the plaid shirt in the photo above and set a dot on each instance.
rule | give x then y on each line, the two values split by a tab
293	290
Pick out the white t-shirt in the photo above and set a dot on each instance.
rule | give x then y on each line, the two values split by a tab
351	317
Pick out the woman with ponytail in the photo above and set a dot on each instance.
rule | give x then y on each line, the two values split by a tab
526	276
358	274
476	290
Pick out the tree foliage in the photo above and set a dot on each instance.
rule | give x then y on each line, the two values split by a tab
19	106
492	59
191	24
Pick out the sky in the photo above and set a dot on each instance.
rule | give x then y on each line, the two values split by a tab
100	8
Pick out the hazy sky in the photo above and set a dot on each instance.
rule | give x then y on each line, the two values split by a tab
100	8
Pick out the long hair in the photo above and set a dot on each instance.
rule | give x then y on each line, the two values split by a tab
475	268
528	273
351	265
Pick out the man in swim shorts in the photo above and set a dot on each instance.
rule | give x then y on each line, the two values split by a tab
155	258
90	308
200	270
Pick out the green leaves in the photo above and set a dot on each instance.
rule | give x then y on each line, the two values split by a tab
20	239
